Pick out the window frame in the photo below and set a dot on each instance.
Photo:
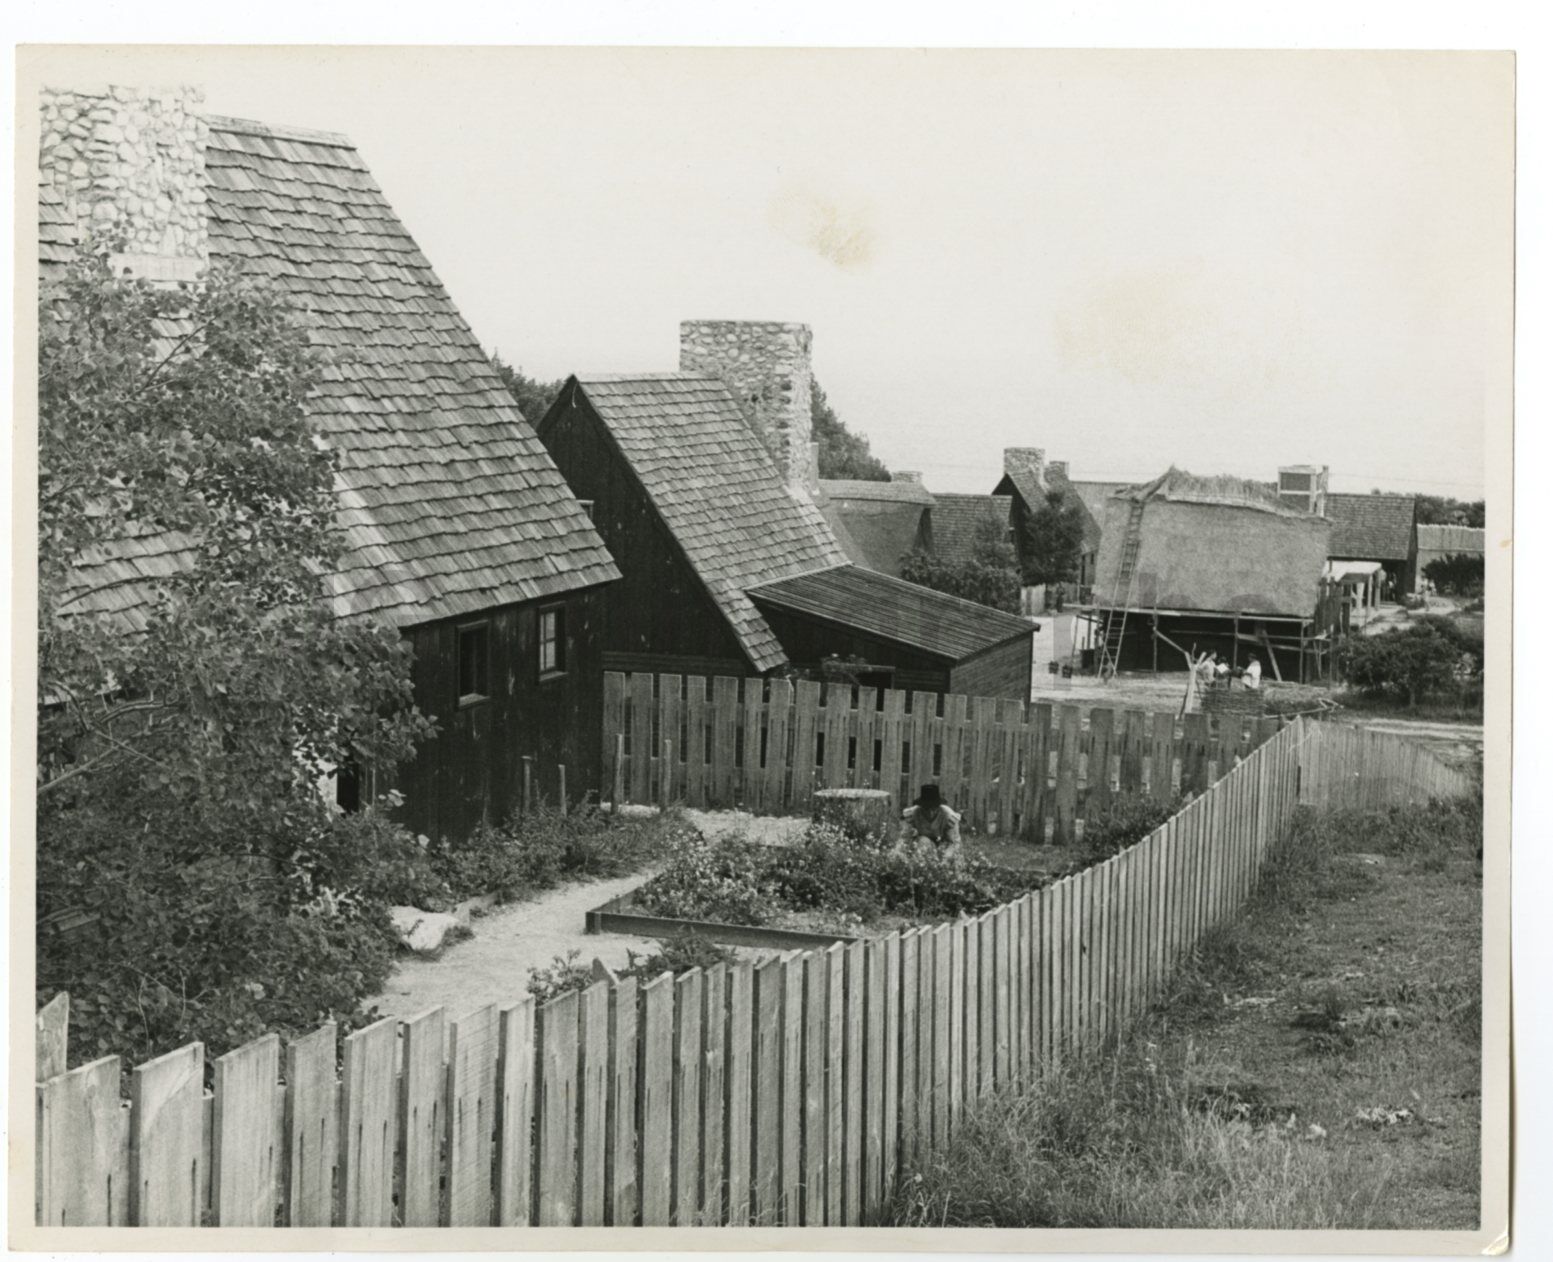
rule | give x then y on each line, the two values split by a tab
559	669
482	626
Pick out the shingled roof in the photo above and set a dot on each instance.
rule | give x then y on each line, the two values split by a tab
894	609
957	518
448	502
1371	527
716	489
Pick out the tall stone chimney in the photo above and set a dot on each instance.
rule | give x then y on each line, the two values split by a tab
1058	467
130	164
765	366
1025	460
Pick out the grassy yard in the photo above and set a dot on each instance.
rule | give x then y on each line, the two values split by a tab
1317	1066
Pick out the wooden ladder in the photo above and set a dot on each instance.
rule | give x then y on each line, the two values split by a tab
1122	594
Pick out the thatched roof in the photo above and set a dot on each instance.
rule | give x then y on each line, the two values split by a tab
1179	486
1450	540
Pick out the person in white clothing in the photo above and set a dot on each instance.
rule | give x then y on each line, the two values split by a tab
1253	676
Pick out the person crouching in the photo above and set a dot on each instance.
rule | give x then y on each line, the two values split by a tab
931	821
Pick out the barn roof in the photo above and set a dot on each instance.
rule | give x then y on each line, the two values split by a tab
1450	539
1371	527
956	519
717	490
894	609
1093	495
876	532
447	500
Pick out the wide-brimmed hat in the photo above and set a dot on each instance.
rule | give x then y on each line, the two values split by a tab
929	796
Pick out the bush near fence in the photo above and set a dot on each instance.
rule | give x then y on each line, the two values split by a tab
789	1093
1010	768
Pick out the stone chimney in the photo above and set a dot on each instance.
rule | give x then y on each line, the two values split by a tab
1024	460
130	165
907	475
1059	467
765	366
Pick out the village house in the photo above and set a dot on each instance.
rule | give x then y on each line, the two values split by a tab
1377	528
703	483
1196	564
878	523
458	529
1028	479
1435	543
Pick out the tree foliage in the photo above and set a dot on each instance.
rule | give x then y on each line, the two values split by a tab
533	396
1459	574
843	454
180	756
1054	540
1443	510
989	577
1433	656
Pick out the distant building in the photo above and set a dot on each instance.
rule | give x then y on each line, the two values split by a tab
704	486
1377	528
457	527
959	522
878	523
1435	543
1207	563
1028	478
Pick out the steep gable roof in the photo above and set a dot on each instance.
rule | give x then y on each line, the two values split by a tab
716	489
447	500
1371	527
876	523
894	609
957	518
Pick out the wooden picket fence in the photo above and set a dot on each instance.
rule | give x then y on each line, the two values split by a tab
1011	768
792	1091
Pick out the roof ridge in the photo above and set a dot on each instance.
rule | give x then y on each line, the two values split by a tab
253	127
586	377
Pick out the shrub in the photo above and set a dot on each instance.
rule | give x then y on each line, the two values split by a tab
1431	656
677	954
1125	819
1459	574
989	577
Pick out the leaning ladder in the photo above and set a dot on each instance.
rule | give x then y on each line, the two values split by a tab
1122	594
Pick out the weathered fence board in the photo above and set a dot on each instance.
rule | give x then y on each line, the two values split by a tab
792	1092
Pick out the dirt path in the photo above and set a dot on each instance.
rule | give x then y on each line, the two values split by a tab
492	966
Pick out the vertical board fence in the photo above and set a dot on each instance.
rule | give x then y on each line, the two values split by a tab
793	1091
1034	771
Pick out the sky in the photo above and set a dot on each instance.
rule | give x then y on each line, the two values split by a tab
1224	261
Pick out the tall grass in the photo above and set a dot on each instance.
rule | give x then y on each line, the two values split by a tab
1131	1141
1157	1134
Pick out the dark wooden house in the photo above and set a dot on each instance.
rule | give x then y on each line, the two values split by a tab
458	529
729	568
1381	528
1028	479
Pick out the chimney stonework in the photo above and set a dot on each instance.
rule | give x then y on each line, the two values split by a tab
765	366
907	475
1024	460
130	166
1059	467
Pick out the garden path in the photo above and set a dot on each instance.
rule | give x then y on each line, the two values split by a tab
493	965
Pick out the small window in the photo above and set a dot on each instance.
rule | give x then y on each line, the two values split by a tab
552	642
587	507
474	663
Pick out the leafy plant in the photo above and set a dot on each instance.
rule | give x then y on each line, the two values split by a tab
1430	657
1125	819
843	454
1460	574
989	577
1054	540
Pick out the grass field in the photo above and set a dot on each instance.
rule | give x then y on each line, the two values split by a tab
1317	1065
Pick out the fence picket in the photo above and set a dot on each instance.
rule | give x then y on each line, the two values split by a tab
556	1107
769	1035
687	1098
593	1123
422	1120
312	1128
167	1121
741	1090
515	1076
714	1031
655	1093
244	1156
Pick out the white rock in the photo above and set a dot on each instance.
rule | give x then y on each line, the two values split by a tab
422	931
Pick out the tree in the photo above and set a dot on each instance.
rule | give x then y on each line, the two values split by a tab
533	396
180	758
1442	510
843	454
1427	658
989	577
1054	540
